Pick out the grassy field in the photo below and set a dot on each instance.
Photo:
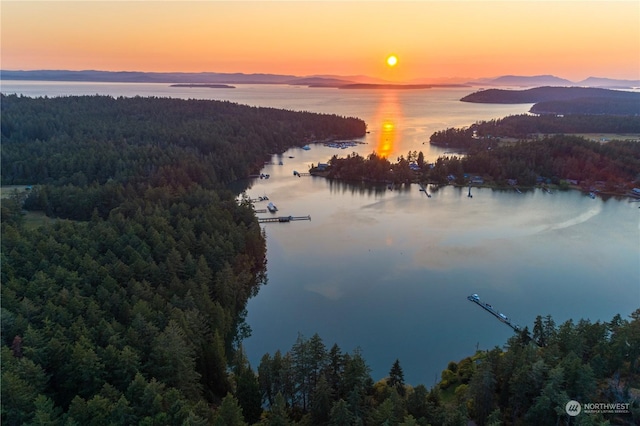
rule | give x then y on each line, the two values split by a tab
32	219
606	137
36	219
7	190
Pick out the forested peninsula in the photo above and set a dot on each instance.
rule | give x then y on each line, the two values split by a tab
564	100
523	150
128	306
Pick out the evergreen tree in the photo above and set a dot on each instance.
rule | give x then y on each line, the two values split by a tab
277	415
229	413
321	402
248	395
340	414
396	378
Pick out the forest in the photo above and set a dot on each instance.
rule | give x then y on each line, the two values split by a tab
128	306
519	384
612	167
531	127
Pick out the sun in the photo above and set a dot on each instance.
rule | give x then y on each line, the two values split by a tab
392	60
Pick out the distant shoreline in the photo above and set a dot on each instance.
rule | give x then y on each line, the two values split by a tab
210	86
397	86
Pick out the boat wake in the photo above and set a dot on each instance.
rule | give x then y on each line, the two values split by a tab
581	218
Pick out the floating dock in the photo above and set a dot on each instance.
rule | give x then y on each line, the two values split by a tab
283	219
502	317
423	189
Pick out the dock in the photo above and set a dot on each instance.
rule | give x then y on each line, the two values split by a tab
423	189
502	317
283	219
493	311
259	199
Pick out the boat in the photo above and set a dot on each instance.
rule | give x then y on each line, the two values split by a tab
306	147
592	195
272	207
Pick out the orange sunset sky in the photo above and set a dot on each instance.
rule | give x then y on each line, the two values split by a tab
432	39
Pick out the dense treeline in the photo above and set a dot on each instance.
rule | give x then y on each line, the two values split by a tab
132	312
591	106
613	166
80	144
520	384
94	138
525	126
373	168
527	384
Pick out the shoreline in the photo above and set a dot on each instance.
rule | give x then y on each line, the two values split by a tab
551	187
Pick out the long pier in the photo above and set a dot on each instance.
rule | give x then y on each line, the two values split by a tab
502	317
493	311
283	219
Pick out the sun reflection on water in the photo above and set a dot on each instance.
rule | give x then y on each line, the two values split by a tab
388	118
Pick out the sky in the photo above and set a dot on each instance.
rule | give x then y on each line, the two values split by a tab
432	40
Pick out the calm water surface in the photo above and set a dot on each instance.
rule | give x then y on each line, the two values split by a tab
389	271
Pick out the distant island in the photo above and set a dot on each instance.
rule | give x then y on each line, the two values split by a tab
564	100
397	86
385	86
210	86
546	93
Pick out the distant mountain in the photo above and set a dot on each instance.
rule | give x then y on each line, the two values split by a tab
524	81
609	83
551	80
166	77
318	80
